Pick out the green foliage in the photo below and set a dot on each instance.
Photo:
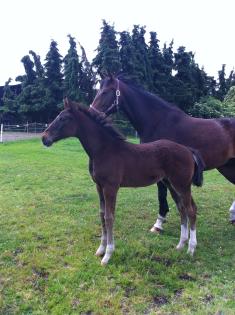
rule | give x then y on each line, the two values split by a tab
50	228
229	102
208	107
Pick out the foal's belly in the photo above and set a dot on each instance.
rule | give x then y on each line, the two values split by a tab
138	181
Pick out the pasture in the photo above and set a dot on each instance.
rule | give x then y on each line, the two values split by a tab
50	230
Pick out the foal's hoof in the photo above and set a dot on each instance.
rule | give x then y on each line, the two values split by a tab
100	251
156	230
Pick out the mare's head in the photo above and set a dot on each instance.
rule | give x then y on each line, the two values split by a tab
63	126
108	98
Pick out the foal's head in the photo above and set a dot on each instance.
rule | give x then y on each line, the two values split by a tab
63	126
107	98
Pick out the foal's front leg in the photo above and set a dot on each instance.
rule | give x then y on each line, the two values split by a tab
101	249
110	194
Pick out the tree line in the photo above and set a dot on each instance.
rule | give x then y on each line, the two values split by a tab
174	76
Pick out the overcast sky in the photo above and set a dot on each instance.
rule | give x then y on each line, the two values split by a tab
204	26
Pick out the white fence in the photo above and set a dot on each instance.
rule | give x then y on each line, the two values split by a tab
21	131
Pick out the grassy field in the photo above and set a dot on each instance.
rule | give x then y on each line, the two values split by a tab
49	232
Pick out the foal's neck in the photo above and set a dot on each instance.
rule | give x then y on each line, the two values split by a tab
93	136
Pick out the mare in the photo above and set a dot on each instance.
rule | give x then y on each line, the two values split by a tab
154	119
117	163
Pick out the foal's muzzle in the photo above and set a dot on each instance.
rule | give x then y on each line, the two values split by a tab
46	140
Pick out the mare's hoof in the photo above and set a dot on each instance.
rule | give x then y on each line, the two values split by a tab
156	230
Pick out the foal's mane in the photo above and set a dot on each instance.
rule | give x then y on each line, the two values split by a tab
104	122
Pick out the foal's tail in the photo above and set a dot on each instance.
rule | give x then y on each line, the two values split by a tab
197	179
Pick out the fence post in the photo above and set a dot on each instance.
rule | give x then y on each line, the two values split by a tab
1	133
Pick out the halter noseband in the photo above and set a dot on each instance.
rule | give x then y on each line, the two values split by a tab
115	103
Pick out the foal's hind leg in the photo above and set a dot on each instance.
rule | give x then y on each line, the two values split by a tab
110	194
184	220
101	249
192	213
228	171
163	208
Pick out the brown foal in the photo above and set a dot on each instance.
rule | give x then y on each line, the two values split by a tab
116	163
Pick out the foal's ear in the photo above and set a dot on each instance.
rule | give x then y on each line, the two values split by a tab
67	103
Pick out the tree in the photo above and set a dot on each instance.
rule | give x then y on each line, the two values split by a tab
107	59
208	107
87	79
53	81
72	71
156	61
9	108
142	67
127	55
222	84
229	102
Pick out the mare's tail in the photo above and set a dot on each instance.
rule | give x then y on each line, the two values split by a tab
197	179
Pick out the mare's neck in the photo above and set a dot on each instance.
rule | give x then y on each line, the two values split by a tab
92	136
144	110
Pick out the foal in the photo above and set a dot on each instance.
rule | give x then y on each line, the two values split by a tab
115	163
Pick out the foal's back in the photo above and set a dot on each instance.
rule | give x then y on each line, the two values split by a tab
148	163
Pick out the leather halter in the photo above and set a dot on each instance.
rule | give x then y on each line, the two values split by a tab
114	105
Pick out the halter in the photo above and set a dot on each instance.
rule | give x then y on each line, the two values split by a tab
113	105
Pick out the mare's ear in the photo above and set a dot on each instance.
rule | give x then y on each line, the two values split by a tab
67	103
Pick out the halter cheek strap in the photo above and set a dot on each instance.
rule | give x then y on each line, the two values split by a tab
113	106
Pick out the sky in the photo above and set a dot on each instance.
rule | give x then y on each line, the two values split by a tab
205	27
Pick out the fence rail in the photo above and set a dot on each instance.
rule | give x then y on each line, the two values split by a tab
20	131
29	130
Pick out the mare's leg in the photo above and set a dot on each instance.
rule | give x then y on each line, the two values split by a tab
163	208
228	171
110	194
101	249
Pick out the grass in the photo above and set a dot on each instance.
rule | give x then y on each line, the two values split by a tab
50	227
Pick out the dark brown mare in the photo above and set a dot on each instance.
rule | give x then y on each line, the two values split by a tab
155	119
117	163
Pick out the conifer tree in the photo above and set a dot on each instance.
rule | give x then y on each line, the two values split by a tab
9	110
223	85
72	71
53	81
127	54
87	79
107	59
142	68
157	65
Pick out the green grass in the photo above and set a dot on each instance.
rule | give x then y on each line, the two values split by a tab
50	227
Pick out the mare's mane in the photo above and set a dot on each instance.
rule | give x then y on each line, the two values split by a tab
139	88
100	120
